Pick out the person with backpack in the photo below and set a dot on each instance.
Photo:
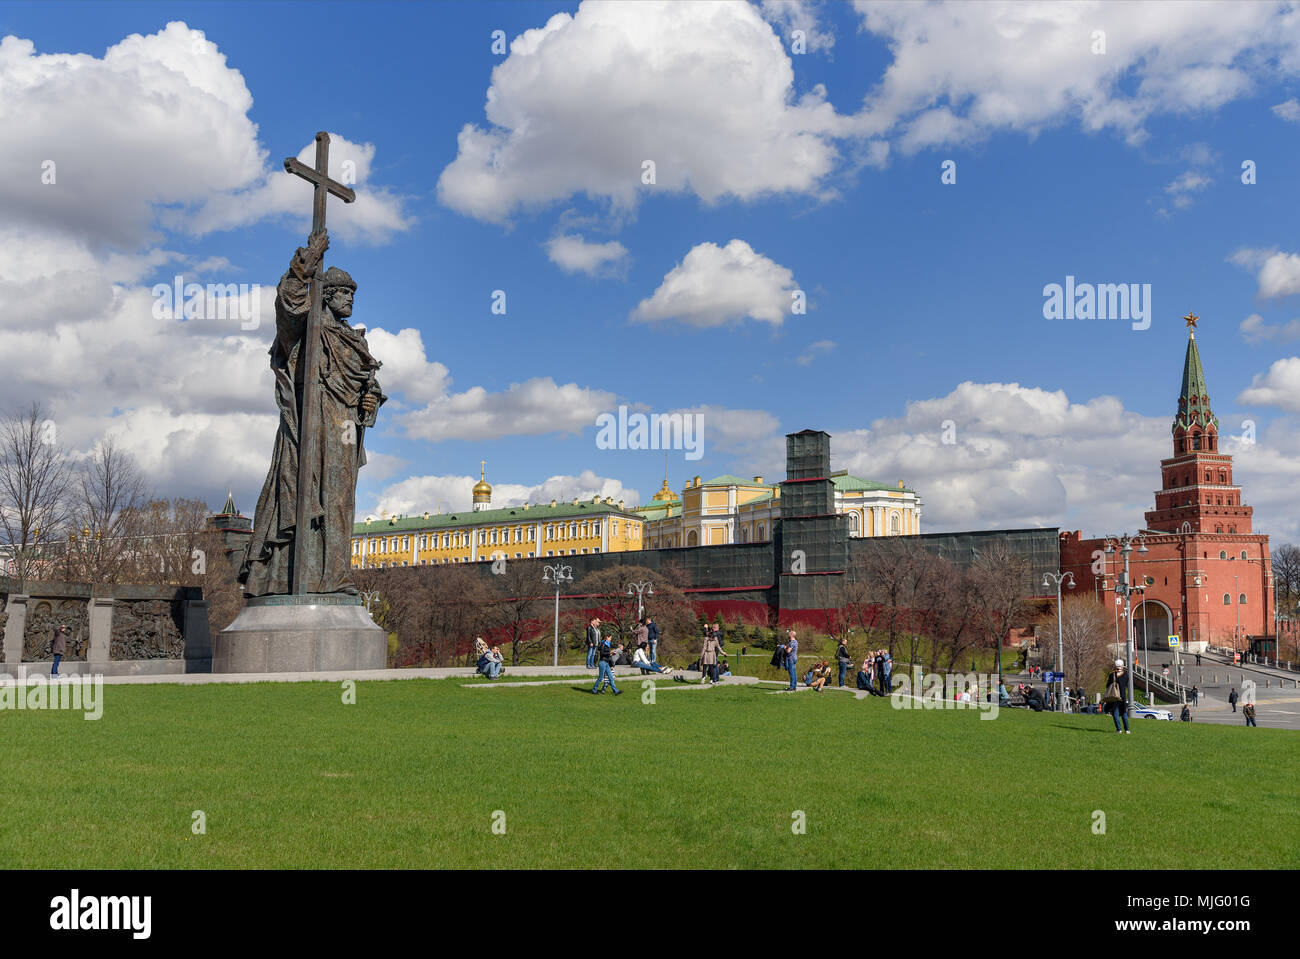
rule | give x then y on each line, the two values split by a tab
843	659
593	641
606	662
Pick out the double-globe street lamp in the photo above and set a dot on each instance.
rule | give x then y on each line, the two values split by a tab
641	588
1124	544
558	574
1048	580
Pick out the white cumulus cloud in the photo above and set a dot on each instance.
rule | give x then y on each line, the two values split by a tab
1279	386
704	91
714	286
573	254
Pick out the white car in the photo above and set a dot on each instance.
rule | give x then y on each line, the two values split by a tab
1149	712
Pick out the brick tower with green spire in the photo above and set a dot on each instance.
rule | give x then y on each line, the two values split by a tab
1197	493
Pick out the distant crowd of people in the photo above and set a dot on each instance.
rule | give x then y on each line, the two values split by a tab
874	673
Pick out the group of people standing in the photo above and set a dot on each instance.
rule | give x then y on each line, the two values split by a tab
877	669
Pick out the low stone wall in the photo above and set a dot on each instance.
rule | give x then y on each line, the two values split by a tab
114	630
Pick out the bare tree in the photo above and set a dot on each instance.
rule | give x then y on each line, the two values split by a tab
163	543
882	586
999	575
35	489
1286	576
109	502
958	628
437	617
221	589
1085	640
519	603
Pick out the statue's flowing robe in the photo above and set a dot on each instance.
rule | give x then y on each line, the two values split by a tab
345	374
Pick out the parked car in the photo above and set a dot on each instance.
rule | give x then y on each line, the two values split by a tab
1150	712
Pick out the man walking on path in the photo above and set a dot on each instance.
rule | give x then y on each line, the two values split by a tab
593	641
59	647
1196	696
792	657
606	674
1232	699
1248	711
652	629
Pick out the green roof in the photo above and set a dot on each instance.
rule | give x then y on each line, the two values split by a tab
852	484
1194	397
510	514
727	479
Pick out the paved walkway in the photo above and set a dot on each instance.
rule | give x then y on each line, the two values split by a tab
369	675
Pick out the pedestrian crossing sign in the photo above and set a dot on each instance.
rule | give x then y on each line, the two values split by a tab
1173	642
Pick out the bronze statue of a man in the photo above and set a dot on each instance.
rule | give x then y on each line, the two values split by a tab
348	398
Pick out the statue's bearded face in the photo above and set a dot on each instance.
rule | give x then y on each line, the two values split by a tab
340	302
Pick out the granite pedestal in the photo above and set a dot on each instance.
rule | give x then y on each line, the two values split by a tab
309	633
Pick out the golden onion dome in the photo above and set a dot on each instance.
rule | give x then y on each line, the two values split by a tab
482	489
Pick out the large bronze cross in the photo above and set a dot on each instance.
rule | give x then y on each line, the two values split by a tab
309	357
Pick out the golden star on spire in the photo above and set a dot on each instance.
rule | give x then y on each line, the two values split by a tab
1191	319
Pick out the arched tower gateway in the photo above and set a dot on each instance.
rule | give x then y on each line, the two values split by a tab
1197	493
1206	574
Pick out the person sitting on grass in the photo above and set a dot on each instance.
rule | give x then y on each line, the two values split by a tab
646	664
820	673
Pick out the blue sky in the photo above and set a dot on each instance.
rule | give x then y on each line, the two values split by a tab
1120	167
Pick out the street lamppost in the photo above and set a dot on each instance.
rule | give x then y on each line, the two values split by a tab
1048	580
1124	544
557	574
1146	658
1236	601
646	587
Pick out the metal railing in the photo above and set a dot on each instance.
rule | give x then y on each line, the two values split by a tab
1166	684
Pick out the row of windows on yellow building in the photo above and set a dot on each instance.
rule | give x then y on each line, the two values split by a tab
726	509
482	534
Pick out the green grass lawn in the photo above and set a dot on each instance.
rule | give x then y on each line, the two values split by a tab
411	775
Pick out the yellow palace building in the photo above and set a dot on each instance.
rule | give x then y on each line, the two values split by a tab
484	533
728	509
725	509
